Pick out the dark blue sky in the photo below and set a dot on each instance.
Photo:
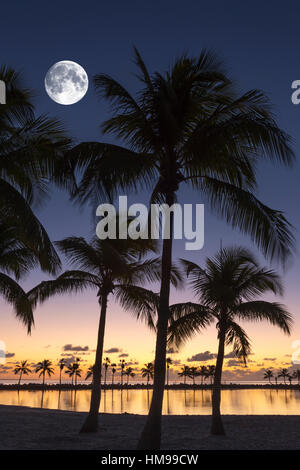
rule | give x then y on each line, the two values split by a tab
258	41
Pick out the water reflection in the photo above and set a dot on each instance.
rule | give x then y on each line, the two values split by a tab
286	402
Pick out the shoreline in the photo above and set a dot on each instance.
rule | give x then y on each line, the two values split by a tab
62	387
23	428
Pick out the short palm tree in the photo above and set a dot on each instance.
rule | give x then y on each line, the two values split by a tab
185	372
61	365
211	369
90	373
268	375
227	288
128	372
168	362
74	371
284	373
148	371
113	371
193	373
44	367
111	267
22	369
203	373
186	126
106	365
296	375
122	369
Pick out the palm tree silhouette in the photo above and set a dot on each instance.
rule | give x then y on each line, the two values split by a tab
284	374
113	371
31	151
227	288
22	368
203	373
44	367
168	362
62	365
296	375
185	372
193	372
268	375
148	371
122	368
112	267
90	373
106	365
187	125
211	369
74	371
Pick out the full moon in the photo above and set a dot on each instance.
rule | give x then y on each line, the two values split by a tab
66	82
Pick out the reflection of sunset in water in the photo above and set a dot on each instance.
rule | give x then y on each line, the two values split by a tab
252	402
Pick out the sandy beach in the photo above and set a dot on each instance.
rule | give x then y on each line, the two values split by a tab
37	429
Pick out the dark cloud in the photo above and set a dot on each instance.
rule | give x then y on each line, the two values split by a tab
7	355
204	356
270	359
113	350
123	355
230	355
235	363
172	351
70	347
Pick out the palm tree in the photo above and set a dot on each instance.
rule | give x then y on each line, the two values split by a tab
189	126
113	371
44	367
290	378
227	288
129	372
62	365
211	369
185	372
193	372
22	368
31	154
268	375
203	373
284	374
122	368
74	371
90	373
168	362
296	375
112	267
106	365
148	371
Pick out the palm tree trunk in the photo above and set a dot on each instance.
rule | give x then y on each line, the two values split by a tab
217	425
151	435
20	379
43	378
60	377
91	422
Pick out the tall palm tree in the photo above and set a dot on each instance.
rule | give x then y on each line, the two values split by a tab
122	368
211	369
268	375
148	371
186	126
129	372
61	365
284	373
111	267
227	289
22	368
31	154
168	362
44	367
185	372
106	365
203	373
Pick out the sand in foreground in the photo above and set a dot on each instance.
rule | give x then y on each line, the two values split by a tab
30	428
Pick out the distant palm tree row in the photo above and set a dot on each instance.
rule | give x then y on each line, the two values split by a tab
284	374
186	126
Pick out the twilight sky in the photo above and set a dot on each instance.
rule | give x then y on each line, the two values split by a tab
259	46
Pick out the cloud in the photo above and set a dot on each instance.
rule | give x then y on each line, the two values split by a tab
235	363
230	355
123	355
204	356
113	350
70	347
7	355
270	359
